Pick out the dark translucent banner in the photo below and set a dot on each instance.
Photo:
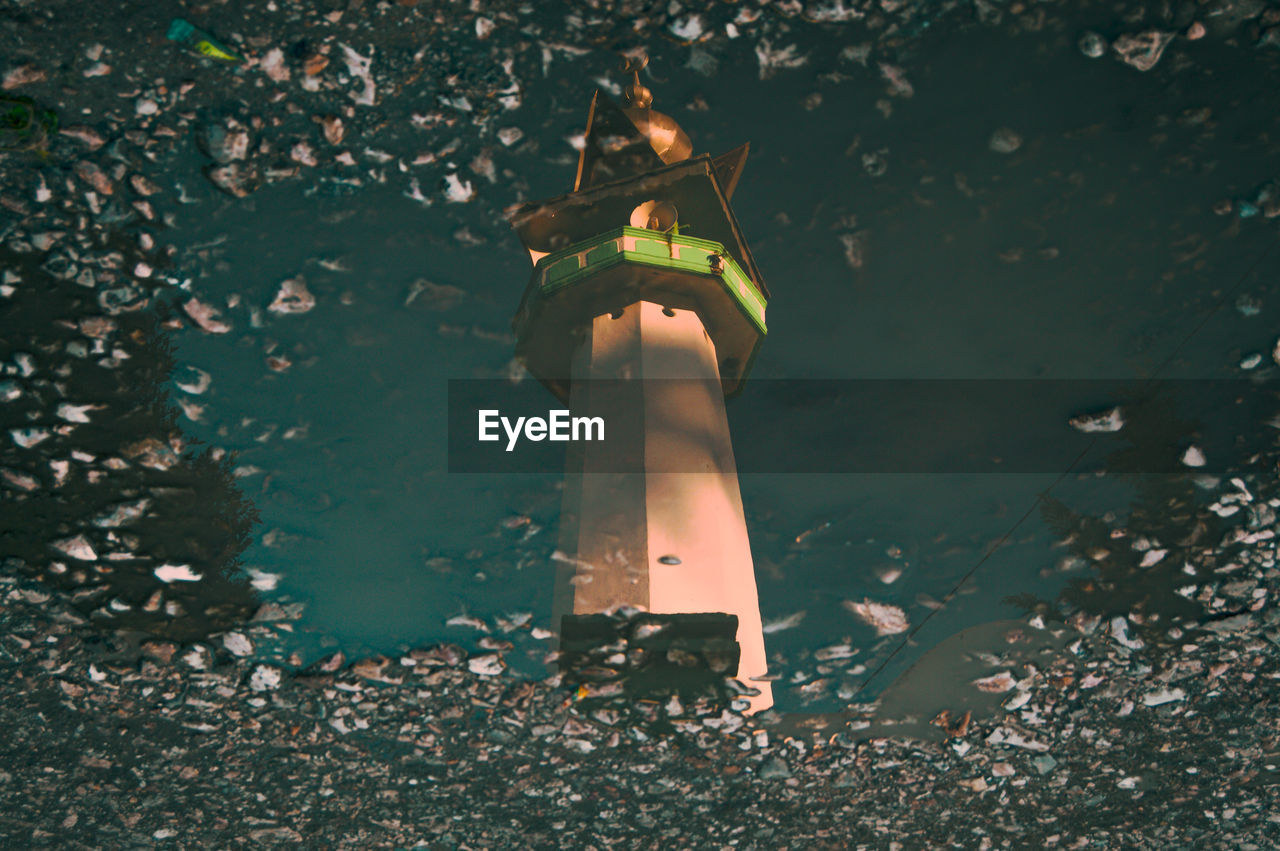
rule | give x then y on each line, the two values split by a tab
877	426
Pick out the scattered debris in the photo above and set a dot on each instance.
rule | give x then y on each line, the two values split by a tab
205	316
1004	141
457	190
783	59
1142	51
996	683
885	618
176	573
791	621
1092	45
77	547
1108	421
358	66
184	32
293	297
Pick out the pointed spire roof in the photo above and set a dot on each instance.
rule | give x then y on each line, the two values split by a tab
636	151
623	141
613	146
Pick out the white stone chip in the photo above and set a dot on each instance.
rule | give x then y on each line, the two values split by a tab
1009	736
486	666
293	297
886	618
264	678
237	644
457	190
75	413
996	683
1152	557
1163	696
176	573
358	66
77	547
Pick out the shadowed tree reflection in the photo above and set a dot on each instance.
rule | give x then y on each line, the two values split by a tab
105	497
1136	563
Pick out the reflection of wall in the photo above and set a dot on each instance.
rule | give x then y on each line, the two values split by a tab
114	491
942	680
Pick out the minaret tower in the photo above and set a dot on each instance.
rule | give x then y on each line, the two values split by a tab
646	309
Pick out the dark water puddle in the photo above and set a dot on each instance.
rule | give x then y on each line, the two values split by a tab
1013	210
1090	251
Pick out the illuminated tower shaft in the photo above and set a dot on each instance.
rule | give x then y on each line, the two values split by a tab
672	538
628	320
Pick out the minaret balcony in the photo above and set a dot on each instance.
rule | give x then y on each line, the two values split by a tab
609	271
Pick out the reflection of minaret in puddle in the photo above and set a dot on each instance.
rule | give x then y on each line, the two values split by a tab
621	290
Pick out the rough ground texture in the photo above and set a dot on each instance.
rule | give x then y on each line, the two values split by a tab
137	706
115	745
